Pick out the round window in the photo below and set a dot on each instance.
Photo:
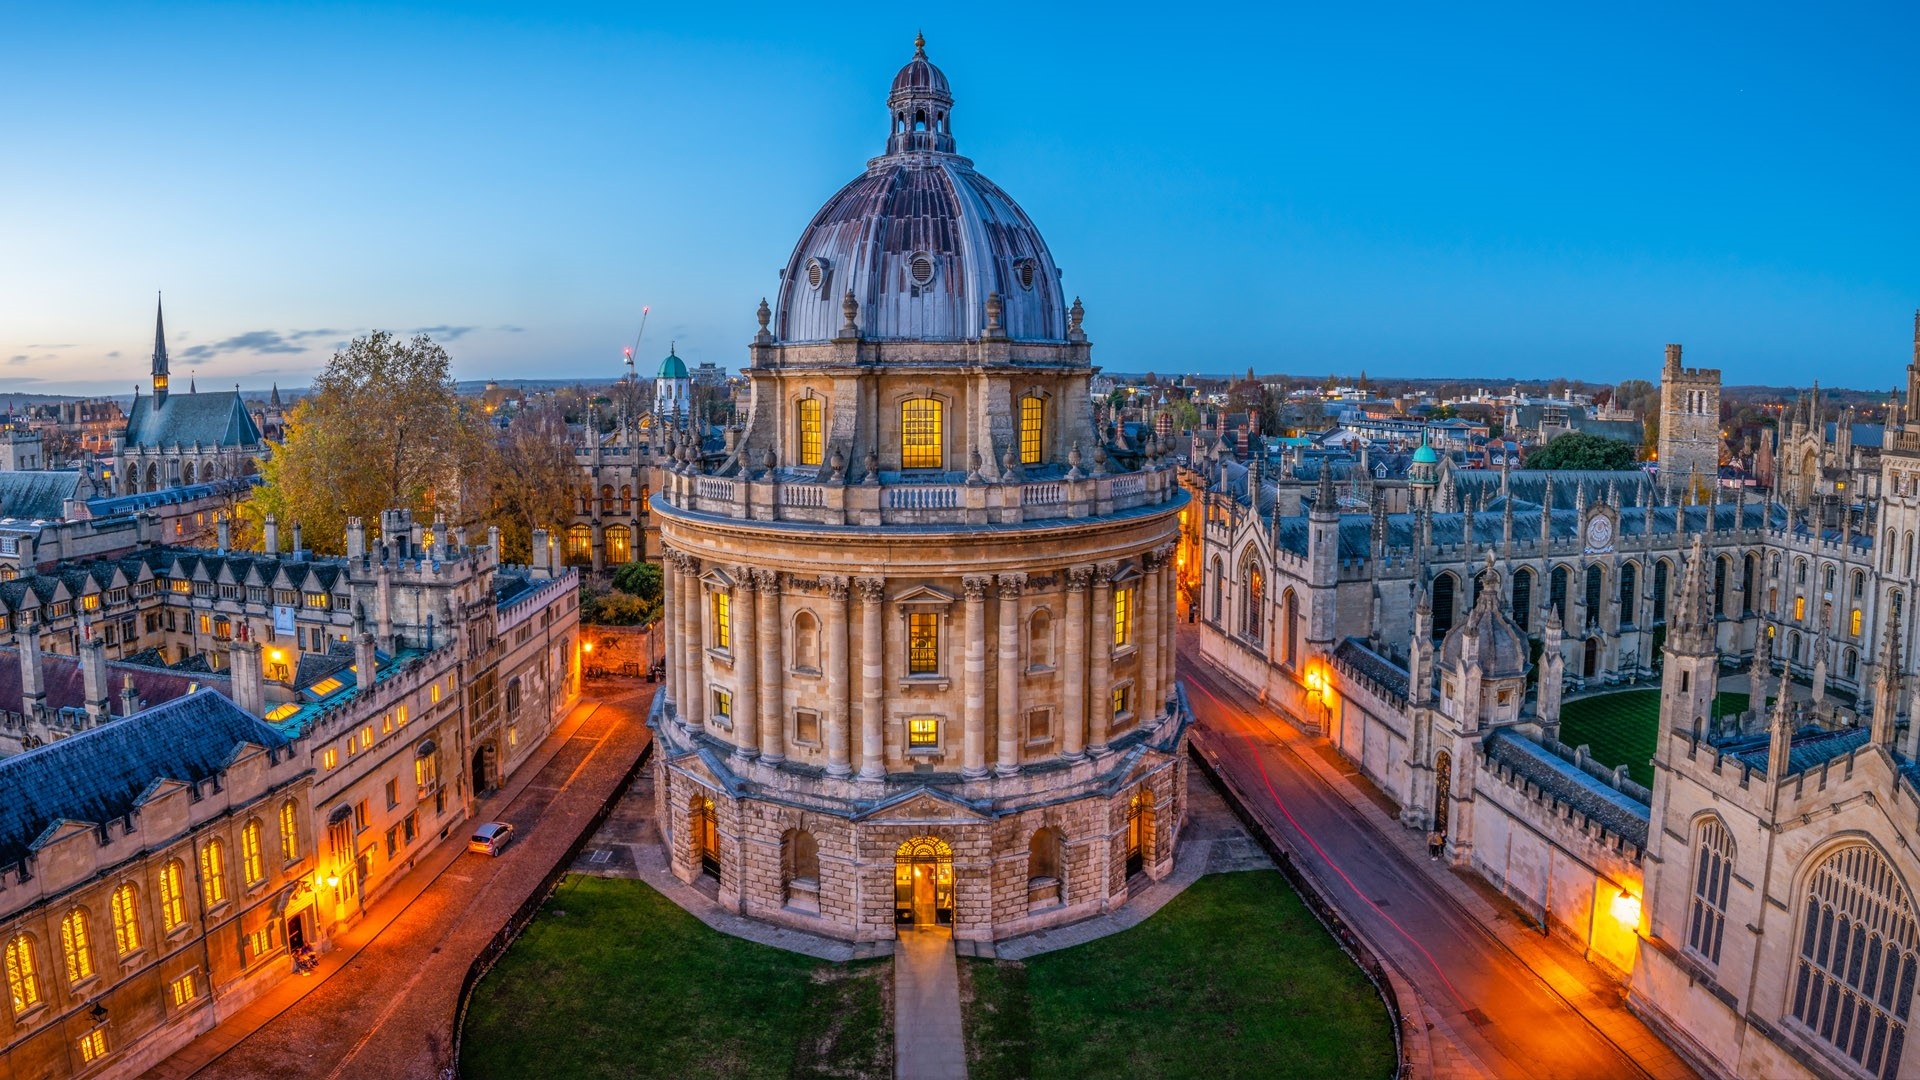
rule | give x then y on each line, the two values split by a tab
1024	271
816	272
920	268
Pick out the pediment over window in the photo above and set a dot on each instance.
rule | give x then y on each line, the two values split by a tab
925	596
716	578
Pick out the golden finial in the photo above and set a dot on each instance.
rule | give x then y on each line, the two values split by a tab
919	43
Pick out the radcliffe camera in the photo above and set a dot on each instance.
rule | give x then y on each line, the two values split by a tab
1021	545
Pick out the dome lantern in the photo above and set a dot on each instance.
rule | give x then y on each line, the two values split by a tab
920	104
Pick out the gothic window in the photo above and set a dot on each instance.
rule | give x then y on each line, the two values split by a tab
1854	977
606	499
1889	545
1629	605
1596	582
1859	584
1660	591
720	618
1793	646
1851	664
626	498
126	920
1254	604
1799	609
290	830
253	864
1827	578
1033	418
213	872
1853	622
23	973
173	896
1443	589
1746	584
1712	870
1523	598
1040	640
579	545
1219	588
806	642
1290	627
1799	571
812	430
76	945
1720	585
1557	591
619	544
921	438
923	643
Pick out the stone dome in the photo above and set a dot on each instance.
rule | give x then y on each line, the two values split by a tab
1487	636
920	240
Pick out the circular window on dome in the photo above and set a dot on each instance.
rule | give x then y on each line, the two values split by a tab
816	272
1024	271
920	268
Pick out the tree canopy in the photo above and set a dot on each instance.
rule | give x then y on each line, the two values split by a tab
1579	450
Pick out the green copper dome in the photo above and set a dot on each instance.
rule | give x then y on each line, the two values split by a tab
1425	455
672	368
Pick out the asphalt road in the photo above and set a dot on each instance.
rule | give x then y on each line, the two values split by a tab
1487	1002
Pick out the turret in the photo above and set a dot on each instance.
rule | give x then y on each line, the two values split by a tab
1781	743
1886	700
1692	669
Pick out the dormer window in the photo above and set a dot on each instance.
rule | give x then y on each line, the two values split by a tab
816	271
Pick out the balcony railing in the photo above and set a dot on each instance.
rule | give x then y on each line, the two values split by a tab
771	497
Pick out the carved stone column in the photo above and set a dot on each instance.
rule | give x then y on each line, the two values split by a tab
1100	659
1169	625
1146	635
873	754
773	698
839	746
1073	720
746	664
669	628
692	642
974	679
1007	755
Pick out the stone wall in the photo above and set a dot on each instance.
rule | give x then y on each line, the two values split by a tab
622	650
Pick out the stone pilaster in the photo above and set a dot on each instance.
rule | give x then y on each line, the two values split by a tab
693	641
773	698
974	765
873	754
1100	681
669	626
1073	711
1146	635
1007	707
839	747
744	648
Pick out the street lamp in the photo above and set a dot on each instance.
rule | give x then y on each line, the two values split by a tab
1626	909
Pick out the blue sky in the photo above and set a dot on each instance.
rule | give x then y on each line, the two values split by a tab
1471	191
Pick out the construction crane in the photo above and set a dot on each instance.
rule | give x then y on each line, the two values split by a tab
644	312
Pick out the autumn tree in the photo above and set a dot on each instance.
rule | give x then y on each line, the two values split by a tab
530	478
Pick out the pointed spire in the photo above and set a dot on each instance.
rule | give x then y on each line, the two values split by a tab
159	352
1886	701
1780	746
1692	632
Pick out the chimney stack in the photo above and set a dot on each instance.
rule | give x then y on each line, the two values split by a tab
93	676
243	660
542	556
33	680
366	664
270	534
129	697
224	530
298	552
356	538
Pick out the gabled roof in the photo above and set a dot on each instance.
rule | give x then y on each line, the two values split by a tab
41	495
216	418
65	686
100	774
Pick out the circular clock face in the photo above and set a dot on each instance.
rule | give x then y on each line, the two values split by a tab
1599	532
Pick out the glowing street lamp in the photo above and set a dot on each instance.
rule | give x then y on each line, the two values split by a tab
1626	909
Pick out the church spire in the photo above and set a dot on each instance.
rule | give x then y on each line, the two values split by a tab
159	354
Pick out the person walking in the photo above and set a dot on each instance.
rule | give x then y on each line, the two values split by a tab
1435	841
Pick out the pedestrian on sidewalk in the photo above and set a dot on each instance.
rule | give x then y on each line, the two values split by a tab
1435	840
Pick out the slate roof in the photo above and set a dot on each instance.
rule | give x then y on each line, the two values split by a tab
1866	435
101	774
1810	747
216	418
1617	811
1354	653
66	687
42	495
147	500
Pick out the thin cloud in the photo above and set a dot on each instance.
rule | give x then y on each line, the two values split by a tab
67	345
302	335
253	341
510	329
18	358
450	333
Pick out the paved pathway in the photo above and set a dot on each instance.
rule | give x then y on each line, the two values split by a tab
927	1044
390	1015
1499	998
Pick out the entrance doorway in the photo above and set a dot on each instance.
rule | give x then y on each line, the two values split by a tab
1139	831
483	769
1591	667
923	883
706	836
296	933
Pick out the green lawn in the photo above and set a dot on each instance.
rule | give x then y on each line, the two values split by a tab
1232	978
1623	727
611	979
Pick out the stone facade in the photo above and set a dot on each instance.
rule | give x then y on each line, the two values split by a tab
1689	452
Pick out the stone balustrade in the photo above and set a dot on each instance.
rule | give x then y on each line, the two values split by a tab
772	497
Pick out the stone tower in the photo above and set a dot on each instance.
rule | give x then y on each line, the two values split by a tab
1689	422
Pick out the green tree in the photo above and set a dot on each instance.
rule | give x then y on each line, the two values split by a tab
1579	450
641	579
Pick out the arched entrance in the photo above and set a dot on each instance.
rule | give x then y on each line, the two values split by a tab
1442	789
923	882
1139	831
483	777
706	835
1591	665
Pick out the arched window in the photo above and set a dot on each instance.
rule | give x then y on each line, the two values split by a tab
1854	977
253	862
1290	627
186	474
1712	870
1629	596
806	642
626	498
1596	588
76	945
800	869
1557	592
606	499
1793	646
586	499
1859	584
213	872
126	920
579	545
1888	567
1033	422
290	831
1523	598
811	435
1254	603
1826	577
1720	585
1040	640
921	437
619	544
1746	584
23	973
1219	588
1799	571
1854	622
1660	571
1850	664
1443	590
173	896
153	476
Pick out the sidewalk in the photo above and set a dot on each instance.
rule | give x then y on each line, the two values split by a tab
927	1043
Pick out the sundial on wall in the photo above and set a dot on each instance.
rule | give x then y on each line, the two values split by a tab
1599	534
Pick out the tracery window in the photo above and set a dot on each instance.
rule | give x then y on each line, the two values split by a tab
1854	977
579	544
920	434
1250	614
76	945
173	896
1712	870
213	872
1660	591
253	864
126	920
1443	605
1033	418
23	975
619	544
289	831
1522	612
812	431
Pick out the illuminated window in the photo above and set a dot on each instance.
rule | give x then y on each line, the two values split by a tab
811	432
1033	420
722	620
1854	622
366	736
126	920
1712	869
329	758
213	872
619	544
1122	700
722	705
1799	608
23	976
1122	617
182	990
90	602
513	736
920	437
289	831
579	544
325	686
173	896
923	643
434	694
923	731
253	864
401	714
93	1045
77	945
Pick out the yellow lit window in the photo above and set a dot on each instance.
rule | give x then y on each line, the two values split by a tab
181	990
253	864
923	731
126	920
366	736
180	585
923	643
77	945
1799	607
1033	419
93	1045
1122	617
920	438
206	624
289	831
329	758
23	977
90	602
1854	620
173	896
811	434
282	711
213	872
1122	700
513	735
722	705
401	715
722	620
326	686
434	694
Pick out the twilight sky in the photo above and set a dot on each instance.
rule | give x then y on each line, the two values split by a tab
1429	189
